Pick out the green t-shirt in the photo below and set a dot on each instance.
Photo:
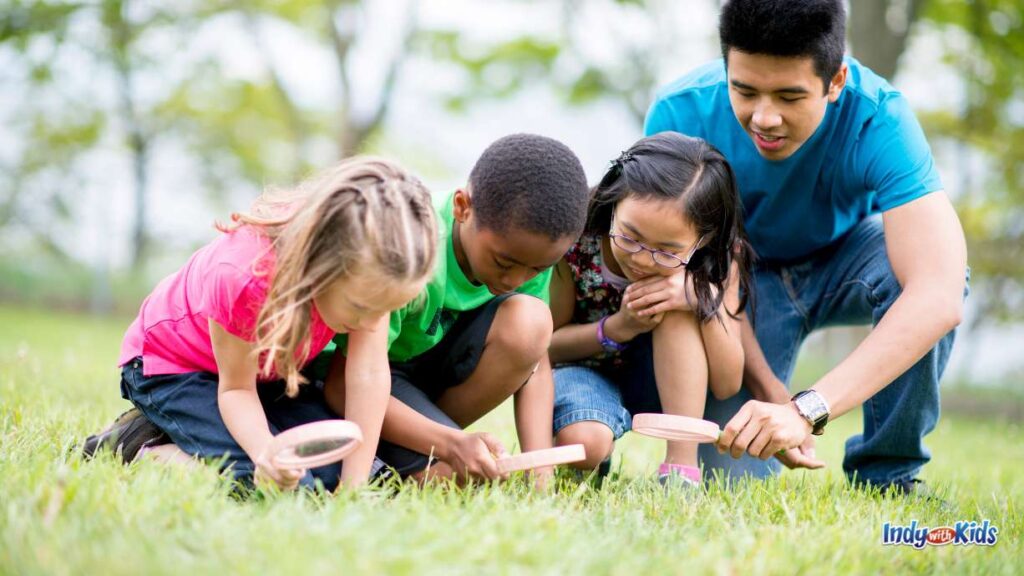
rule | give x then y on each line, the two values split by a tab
421	324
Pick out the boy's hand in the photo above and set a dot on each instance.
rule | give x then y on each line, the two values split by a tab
659	294
474	455
283	478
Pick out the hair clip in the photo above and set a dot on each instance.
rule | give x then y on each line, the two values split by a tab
616	166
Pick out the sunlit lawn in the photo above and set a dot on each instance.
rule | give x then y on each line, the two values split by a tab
60	515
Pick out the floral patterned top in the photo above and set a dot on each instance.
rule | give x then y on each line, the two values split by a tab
597	294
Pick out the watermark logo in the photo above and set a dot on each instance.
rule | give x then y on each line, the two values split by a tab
963	533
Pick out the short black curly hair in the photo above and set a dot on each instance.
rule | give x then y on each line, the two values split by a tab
530	182
797	28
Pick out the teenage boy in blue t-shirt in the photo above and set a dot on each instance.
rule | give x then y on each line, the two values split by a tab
847	213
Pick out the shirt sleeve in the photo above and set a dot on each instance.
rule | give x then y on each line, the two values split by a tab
659	118
233	299
898	162
538	286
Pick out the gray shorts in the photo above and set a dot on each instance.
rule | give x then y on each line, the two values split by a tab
419	382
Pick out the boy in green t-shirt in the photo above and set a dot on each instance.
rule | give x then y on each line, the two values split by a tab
481	328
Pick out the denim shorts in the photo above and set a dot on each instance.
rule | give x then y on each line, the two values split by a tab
608	396
185	407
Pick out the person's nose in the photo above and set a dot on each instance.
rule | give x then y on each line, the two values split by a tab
766	115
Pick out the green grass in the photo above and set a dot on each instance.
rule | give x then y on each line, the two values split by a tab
60	515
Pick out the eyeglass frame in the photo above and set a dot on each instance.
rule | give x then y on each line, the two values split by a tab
653	251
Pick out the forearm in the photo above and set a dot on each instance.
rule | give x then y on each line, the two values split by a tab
579	341
534	405
758	375
245	419
574	342
367	394
914	323
410	429
724	346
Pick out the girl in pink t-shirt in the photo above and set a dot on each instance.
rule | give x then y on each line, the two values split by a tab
214	359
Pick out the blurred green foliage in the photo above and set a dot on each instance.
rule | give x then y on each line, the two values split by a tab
985	40
85	67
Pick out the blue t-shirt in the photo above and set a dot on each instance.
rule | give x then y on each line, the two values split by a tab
868	155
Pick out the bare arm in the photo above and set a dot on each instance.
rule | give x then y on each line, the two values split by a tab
928	254
533	404
758	376
569	341
367	390
577	341
237	399
240	405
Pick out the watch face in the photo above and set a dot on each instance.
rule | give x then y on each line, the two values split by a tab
812	407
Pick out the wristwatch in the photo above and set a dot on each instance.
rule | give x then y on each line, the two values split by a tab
813	407
609	345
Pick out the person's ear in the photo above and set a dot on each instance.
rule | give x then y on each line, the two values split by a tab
462	206
838	82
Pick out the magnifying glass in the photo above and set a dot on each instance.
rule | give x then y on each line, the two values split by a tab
315	444
541	458
673	427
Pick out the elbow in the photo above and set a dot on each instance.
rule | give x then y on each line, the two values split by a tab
948	307
954	315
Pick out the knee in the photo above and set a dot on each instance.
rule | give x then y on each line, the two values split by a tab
676	321
597	439
522	328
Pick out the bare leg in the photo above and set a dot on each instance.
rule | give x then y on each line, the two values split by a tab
597	440
681	372
516	343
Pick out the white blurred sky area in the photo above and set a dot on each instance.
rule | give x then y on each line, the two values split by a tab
439	145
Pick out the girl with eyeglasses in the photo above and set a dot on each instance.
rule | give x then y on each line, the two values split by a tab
646	304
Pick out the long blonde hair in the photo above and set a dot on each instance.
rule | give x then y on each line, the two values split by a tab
366	215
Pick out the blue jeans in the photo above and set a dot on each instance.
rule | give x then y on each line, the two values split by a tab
850	283
185	407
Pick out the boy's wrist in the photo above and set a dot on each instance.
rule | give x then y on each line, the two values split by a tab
443	448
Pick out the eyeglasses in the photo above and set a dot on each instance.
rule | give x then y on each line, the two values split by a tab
660	257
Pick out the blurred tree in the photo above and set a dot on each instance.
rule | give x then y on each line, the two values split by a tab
63	120
641	32
879	30
260	127
984	39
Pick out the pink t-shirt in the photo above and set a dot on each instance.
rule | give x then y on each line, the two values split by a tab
226	280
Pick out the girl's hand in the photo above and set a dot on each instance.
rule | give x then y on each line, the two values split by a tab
283	478
626	324
660	294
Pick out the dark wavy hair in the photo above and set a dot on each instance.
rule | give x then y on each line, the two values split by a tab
671	166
